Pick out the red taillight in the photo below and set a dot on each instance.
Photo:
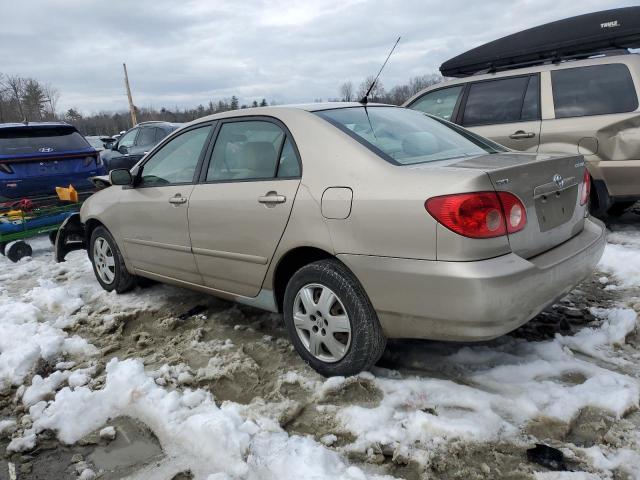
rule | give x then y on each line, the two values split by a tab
479	214
585	188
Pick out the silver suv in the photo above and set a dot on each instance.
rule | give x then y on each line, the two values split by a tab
587	107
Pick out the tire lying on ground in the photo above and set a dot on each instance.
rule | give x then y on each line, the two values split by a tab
330	319
108	263
17	250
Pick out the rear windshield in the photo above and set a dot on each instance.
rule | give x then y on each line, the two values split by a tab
404	137
24	141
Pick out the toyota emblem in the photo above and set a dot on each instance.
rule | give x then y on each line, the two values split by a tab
558	180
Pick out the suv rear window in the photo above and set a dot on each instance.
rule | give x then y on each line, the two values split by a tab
404	137
502	101
29	140
593	90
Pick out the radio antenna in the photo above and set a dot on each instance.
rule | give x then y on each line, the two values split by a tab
365	99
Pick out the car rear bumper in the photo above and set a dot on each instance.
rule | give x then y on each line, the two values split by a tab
622	177
30	187
471	301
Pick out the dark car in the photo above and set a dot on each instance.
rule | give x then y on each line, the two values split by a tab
131	146
37	157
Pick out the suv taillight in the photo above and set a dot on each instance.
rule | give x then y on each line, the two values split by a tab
5	168
585	188
479	214
88	161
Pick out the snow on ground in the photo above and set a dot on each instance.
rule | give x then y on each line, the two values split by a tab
60	371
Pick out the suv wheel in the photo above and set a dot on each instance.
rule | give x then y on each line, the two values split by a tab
331	321
108	264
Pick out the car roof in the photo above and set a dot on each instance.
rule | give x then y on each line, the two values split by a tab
36	125
274	109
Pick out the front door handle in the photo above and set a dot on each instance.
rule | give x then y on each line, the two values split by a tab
177	199
271	198
520	134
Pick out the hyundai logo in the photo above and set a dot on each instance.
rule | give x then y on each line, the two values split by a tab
45	149
558	180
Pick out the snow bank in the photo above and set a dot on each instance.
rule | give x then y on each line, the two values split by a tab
501	388
190	426
621	257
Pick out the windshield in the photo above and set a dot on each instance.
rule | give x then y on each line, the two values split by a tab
404	137
24	141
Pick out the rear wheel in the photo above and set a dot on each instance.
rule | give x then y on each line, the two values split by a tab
331	321
108	263
18	250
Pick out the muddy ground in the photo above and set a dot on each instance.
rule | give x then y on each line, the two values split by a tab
242	354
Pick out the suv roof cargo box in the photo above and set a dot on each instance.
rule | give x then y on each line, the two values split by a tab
573	37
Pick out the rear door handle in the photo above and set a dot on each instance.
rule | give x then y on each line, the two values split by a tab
520	134
177	199
272	198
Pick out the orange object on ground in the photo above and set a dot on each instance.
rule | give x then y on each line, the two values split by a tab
68	194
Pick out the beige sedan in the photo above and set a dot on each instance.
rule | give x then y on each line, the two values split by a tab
357	223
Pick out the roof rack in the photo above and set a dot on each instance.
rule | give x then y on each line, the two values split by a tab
608	32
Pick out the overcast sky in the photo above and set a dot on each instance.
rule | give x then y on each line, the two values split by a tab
188	52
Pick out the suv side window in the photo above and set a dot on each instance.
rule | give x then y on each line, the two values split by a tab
593	90
246	150
440	103
129	138
531	103
495	101
176	161
160	134
147	137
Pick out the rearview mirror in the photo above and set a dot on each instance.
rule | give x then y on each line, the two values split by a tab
120	176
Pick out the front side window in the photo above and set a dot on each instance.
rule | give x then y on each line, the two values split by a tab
404	137
246	150
176	161
495	101
147	137
128	139
440	103
593	90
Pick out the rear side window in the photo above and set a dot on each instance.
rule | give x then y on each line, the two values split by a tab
495	101
593	90
147	137
33	140
246	150
160	134
440	103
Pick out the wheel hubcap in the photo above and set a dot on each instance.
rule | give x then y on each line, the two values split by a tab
104	261
321	322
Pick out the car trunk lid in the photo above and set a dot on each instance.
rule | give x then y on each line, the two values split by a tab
549	188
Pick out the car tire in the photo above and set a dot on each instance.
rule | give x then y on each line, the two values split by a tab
619	208
321	321
108	263
16	251
3	246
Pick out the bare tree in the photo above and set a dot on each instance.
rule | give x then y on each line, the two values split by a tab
346	91
15	85
52	95
376	93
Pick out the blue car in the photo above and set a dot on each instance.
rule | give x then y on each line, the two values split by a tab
35	158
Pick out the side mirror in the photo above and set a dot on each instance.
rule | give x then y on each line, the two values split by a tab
120	176
123	150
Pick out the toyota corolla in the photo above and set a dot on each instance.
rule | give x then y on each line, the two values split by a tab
358	223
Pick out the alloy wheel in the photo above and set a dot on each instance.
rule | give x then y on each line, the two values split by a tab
321	322
104	260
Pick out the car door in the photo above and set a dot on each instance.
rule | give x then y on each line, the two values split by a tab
240	208
506	110
153	214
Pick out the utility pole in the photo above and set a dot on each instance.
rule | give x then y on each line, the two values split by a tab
132	109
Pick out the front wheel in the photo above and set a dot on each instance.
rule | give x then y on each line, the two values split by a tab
108	263
331	321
